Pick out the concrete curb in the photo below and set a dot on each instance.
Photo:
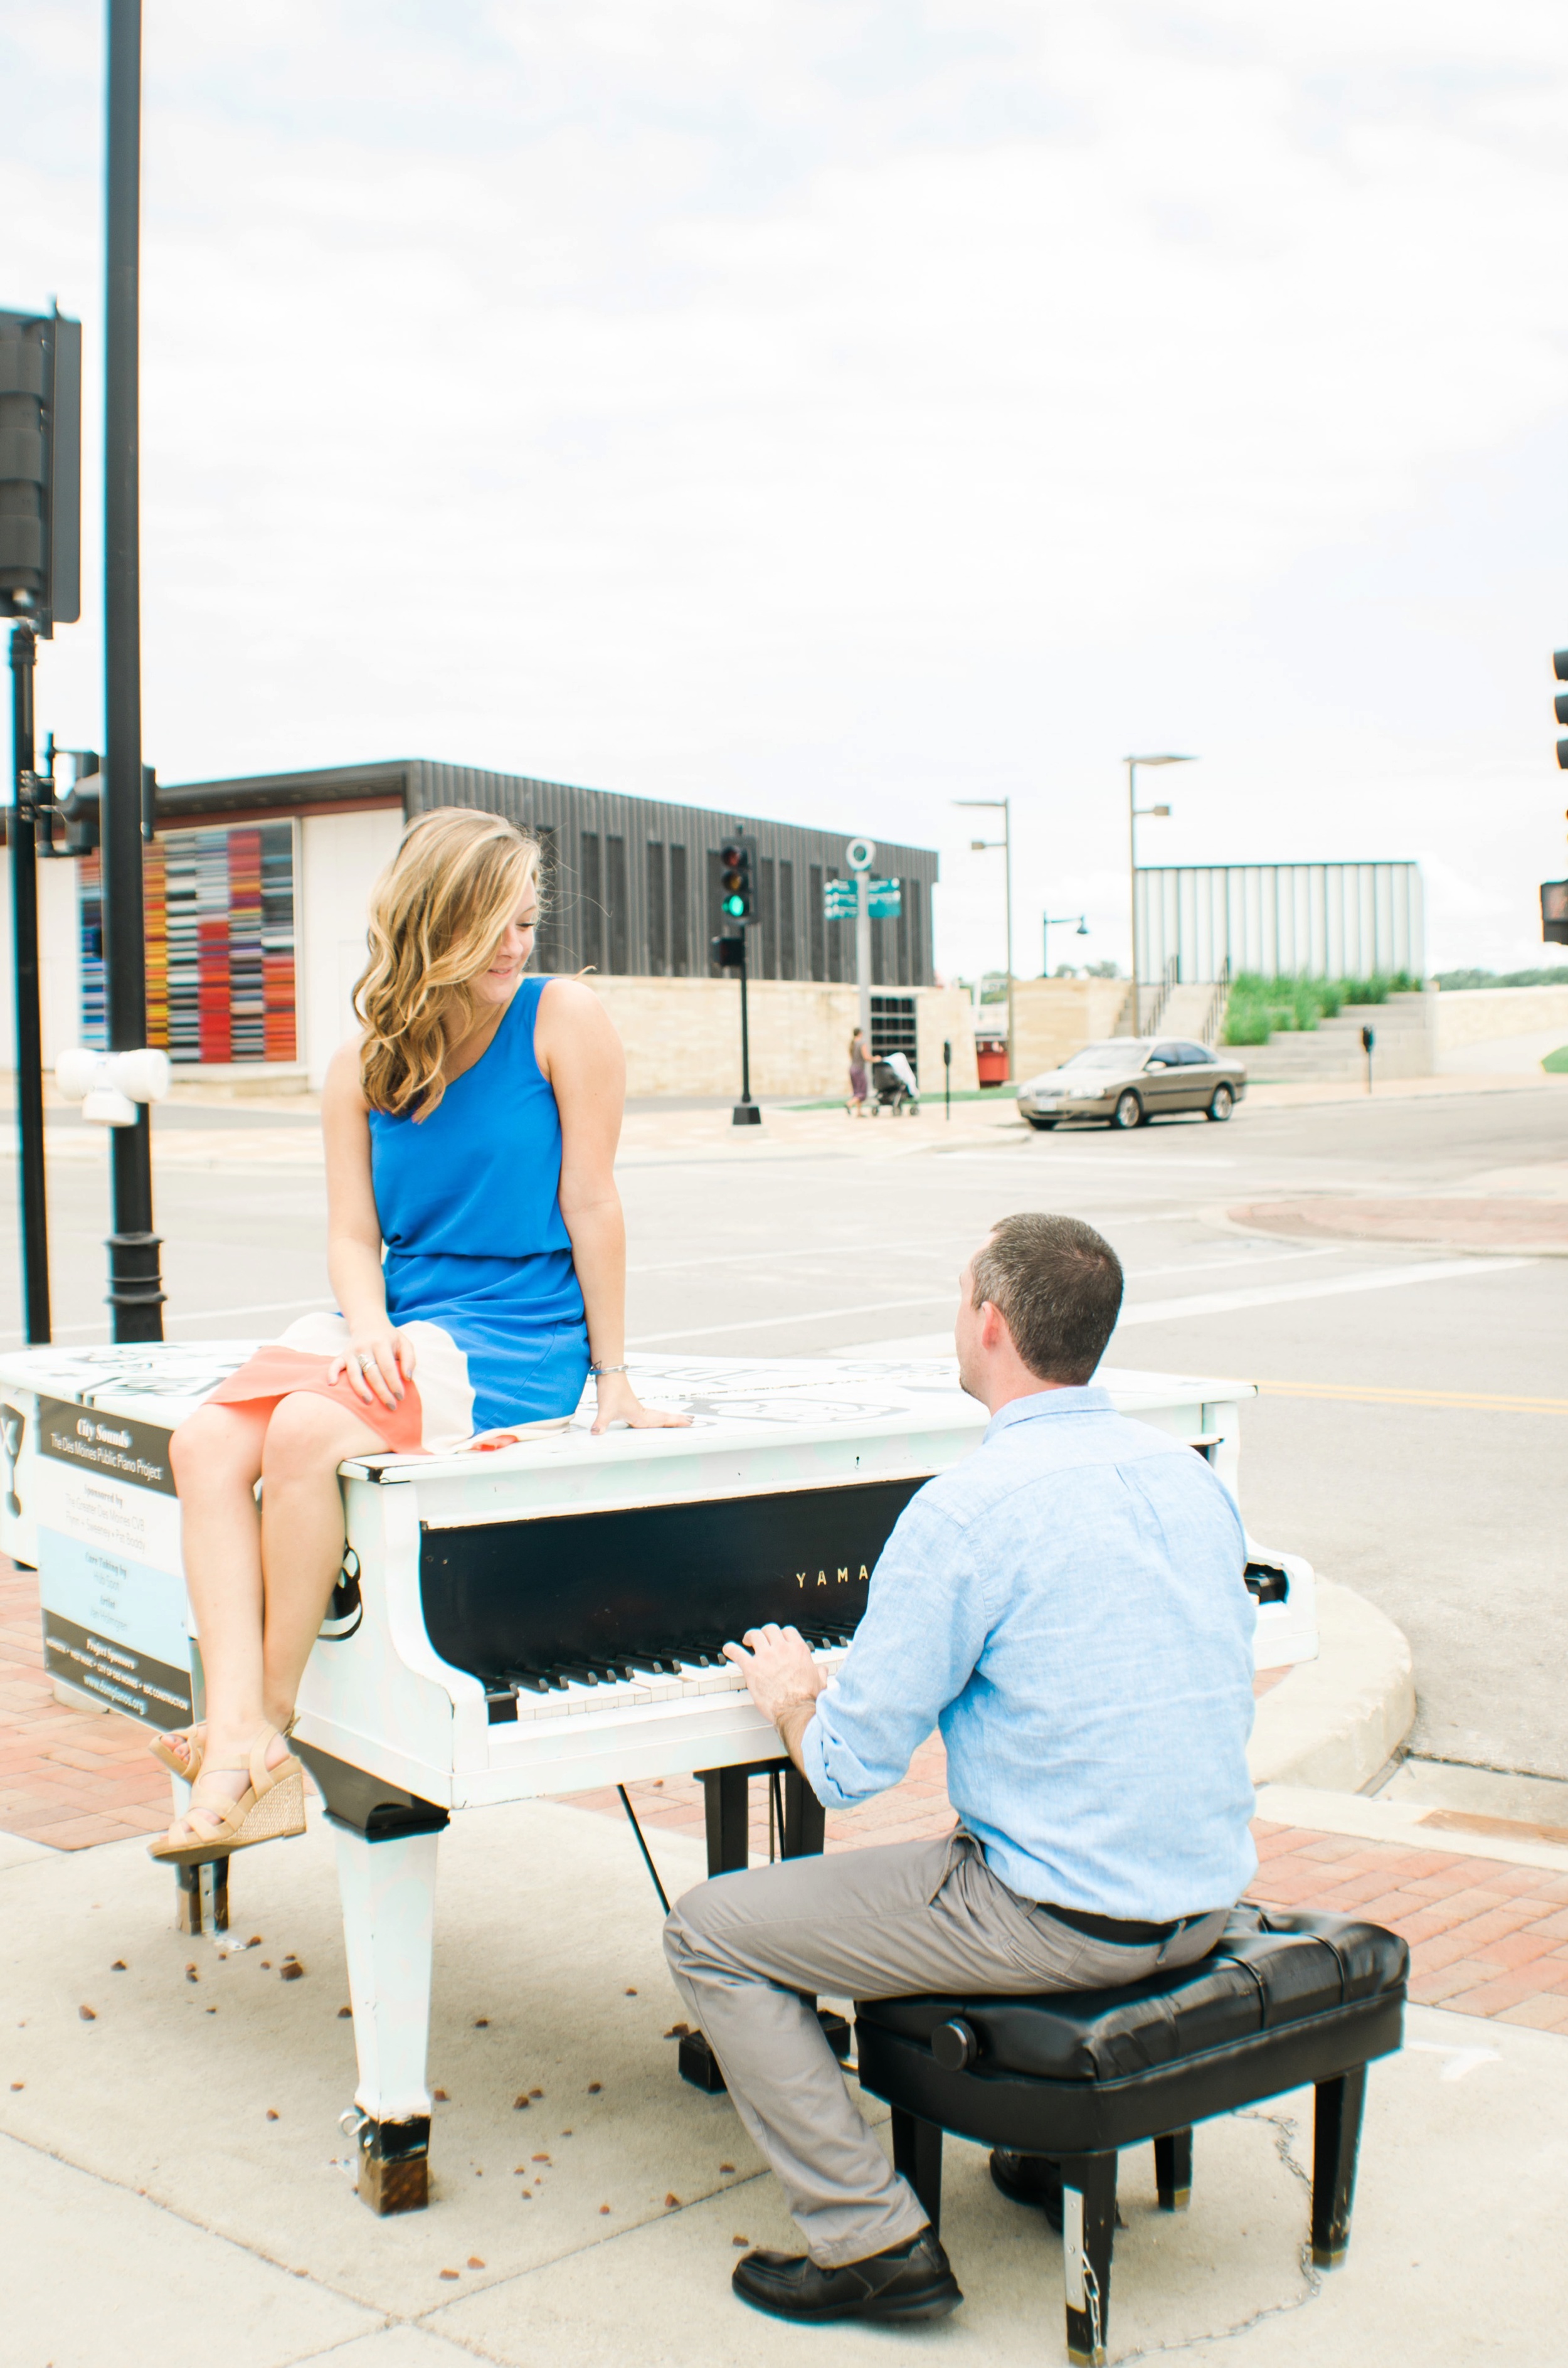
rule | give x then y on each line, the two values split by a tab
1222	1219
1411	1825
1332	1723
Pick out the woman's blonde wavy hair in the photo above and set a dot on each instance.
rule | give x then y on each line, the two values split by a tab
438	914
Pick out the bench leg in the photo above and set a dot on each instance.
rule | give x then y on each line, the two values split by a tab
918	2157
1173	2169
1088	2210
1337	2133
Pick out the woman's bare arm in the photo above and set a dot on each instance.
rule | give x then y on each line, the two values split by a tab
581	1054
354	1240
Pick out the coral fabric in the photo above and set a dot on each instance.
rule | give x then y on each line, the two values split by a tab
277	1372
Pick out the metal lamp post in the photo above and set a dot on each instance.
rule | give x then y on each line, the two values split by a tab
1133	812
1003	806
1058	921
135	1285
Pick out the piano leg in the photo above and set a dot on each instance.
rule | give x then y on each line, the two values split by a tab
386	1879
804	1836
726	1794
201	1898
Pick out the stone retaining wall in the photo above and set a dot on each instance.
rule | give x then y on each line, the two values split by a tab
683	1035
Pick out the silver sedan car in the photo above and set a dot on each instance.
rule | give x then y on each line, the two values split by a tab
1128	1080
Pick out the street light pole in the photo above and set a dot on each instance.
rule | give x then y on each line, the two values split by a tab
1058	921
1133	810
978	845
135	1285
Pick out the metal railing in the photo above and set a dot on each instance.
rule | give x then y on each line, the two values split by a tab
1214	1018
1150	1026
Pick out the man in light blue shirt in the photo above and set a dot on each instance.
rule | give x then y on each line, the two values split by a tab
1068	1607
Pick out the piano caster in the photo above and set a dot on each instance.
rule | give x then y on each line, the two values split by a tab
201	1899
395	2163
699	2065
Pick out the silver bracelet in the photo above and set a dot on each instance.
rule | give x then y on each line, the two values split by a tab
599	1372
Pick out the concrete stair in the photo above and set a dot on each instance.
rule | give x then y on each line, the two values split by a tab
1187	1011
1331	1052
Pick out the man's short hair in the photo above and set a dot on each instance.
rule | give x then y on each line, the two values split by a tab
1057	1284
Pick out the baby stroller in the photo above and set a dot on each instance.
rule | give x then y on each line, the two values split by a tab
893	1086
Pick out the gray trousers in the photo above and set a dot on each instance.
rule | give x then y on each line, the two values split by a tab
896	1922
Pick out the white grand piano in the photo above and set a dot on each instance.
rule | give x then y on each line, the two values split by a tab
537	1619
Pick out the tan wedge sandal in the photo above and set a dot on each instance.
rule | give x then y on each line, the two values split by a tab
272	1805
195	1741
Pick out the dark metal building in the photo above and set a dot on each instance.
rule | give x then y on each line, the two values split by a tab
632	883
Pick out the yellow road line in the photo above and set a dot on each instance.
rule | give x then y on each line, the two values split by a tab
1372	1393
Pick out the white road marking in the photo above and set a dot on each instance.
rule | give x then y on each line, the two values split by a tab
1199	1303
807	1316
187	1316
1379	1278
1211	1266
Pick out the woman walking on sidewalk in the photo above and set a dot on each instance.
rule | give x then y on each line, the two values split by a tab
471	1135
859	1076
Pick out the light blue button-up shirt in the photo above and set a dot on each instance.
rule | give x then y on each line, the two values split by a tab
1067	1605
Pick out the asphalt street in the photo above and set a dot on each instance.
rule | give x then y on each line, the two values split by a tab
1449	1515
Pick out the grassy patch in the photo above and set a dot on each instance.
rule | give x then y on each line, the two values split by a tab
1557	1062
1260	1008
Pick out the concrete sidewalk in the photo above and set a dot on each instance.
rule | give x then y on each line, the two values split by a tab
175	2186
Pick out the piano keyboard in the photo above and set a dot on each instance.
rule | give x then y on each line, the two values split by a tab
633	1684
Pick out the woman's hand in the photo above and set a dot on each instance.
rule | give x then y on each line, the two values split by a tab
377	1364
618	1402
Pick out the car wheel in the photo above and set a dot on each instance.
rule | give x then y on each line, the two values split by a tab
1222	1101
1128	1113
1042	1125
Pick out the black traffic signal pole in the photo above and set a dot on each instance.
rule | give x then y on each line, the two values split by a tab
135	1286
745	1032
33	1207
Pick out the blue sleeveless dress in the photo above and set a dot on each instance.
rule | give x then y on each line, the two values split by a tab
470	1209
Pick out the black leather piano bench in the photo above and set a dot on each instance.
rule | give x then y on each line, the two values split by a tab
1073	2075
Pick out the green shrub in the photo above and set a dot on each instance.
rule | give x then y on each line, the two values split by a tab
1260	1007
1556	976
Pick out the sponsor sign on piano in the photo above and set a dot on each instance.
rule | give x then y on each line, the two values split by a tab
109	1572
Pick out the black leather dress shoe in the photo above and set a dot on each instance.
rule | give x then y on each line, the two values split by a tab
1029	2179
911	2281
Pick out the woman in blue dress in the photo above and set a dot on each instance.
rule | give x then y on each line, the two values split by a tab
477	1250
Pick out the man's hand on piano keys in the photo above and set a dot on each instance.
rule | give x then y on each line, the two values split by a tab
782	1680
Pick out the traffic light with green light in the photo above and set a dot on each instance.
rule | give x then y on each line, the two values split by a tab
738	880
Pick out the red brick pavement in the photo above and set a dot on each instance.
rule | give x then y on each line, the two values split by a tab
1486	1938
69	1778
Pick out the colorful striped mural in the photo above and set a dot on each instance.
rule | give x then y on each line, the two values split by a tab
218	909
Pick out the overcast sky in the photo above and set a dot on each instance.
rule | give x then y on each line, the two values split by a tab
830	409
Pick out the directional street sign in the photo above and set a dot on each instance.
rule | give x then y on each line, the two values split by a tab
840	900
